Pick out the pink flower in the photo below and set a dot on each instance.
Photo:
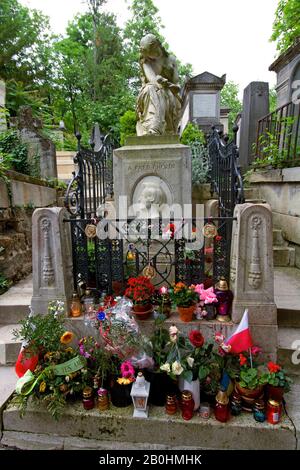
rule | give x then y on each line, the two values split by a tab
163	290
206	295
256	350
127	370
219	338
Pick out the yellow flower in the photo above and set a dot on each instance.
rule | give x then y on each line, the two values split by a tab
66	337
123	381
63	388
43	386
69	350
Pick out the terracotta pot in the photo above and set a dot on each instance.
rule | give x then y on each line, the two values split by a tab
142	311
249	393
186	313
274	392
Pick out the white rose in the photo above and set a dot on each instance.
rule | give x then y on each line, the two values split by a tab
177	368
166	367
173	338
173	330
190	361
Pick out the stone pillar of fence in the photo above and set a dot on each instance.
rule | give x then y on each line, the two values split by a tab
252	273
51	258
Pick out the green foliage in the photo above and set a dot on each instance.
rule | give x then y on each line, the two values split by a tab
192	134
251	378
183	295
195	138
272	100
286	26
41	332
4	283
230	99
13	153
127	125
159	340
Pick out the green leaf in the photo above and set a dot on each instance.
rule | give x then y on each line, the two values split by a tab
187	375
203	372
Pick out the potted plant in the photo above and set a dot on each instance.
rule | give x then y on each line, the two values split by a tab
251	381
140	290
161	383
121	387
185	298
277	382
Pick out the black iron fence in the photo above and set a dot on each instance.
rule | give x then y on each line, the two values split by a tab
92	183
278	137
226	180
163	250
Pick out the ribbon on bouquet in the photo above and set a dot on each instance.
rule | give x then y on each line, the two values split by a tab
26	384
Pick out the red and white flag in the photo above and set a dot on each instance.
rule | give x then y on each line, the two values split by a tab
241	339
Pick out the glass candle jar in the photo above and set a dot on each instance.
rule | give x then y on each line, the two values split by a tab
89	307
102	401
171	404
187	405
204	410
75	307
235	404
222	407
274	409
88	399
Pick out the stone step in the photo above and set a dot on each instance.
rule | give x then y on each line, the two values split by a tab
117	426
14	304
289	349
9	346
287	296
284	256
278	239
250	193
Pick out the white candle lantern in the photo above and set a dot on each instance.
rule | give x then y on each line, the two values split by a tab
140	394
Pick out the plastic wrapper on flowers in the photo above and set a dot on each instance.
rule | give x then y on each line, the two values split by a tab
121	335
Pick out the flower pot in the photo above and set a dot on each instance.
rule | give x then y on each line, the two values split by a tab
161	385
193	387
186	313
248	395
120	394
276	393
142	311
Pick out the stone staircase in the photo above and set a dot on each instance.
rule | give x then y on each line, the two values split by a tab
283	253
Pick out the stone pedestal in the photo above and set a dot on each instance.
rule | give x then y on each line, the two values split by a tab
51	258
152	169
252	273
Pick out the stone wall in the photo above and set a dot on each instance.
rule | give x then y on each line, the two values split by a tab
281	189
18	198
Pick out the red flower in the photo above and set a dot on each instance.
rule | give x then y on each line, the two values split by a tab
243	360
196	338
273	368
218	238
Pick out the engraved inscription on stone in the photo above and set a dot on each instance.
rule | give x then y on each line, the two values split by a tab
204	105
151	166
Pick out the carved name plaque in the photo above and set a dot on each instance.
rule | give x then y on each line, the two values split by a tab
204	105
151	166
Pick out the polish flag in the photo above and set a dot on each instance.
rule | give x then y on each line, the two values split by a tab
25	362
241	339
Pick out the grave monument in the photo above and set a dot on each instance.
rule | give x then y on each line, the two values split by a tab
153	168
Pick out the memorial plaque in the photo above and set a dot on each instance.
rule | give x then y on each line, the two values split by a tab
204	105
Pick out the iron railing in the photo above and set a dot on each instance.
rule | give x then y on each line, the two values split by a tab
278	137
225	176
130	246
93	180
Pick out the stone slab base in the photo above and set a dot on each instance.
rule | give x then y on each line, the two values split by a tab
117	427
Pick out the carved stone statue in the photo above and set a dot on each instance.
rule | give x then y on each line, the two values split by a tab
159	102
